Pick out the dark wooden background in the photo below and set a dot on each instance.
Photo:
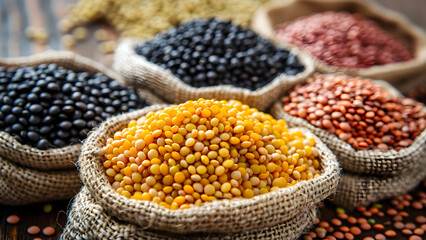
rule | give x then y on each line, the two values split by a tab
17	15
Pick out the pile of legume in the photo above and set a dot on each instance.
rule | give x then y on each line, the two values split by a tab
205	150
211	52
343	39
48	106
145	18
358	111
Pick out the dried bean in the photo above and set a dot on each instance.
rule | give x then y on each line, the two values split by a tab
345	40
378	121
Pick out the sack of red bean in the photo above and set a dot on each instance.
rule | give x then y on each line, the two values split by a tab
211	59
49	103
374	131
354	37
200	169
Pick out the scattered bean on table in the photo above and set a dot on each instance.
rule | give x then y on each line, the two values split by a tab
358	111
344	39
212	52
206	150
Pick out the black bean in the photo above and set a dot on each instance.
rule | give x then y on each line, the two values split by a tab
47	106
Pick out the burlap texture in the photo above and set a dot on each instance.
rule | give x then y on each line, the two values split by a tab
141	73
355	190
274	13
88	220
373	162
225	216
20	186
59	158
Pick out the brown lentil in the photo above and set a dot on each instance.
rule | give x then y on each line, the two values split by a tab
393	114
33	230
421	219
419	231
380	236
365	226
399	225
13	219
48	231
339	235
390	233
344	39
378	227
410	226
178	150
336	222
349	236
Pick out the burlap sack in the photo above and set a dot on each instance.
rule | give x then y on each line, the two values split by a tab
87	219
59	158
141	73
374	162
274	13
20	186
225	216
355	190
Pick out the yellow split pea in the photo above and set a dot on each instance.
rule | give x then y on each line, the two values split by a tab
207	150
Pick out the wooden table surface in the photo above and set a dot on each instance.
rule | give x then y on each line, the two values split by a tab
17	15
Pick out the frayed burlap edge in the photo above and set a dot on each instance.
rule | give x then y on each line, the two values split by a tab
88	220
20	186
374	162
59	158
274	13
356	190
225	216
141	73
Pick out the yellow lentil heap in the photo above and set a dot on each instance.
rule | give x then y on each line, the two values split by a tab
207	150
145	18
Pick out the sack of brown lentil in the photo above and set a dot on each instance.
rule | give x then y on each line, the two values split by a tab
380	157
20	186
32	109
361	190
87	219
277	210
396	47
211	59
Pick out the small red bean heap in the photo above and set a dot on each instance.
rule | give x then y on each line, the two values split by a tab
358	111
343	39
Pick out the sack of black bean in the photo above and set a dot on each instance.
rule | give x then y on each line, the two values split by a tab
50	101
208	178
372	129
351	36
211	59
20	185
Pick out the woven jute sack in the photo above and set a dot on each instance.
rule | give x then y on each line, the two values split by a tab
225	216
20	186
374	162
361	190
88	220
58	158
138	71
278	12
